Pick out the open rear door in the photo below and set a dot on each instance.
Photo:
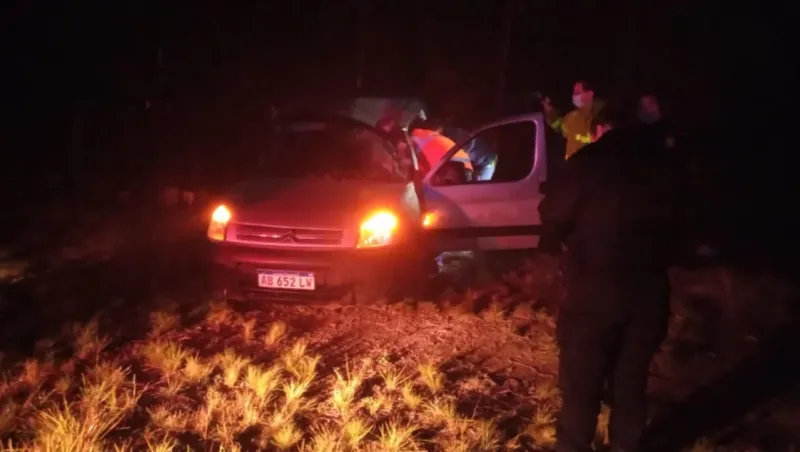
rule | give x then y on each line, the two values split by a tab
494	211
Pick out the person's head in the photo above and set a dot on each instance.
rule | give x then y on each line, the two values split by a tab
582	94
648	110
603	121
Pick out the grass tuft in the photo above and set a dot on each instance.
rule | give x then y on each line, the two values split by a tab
431	377
195	370
344	390
231	365
275	333
169	419
294	390
354	431
162	322
324	439
298	363
393	378
165	356
394	437
287	436
88	341
248	329
441	411
410	398
262	382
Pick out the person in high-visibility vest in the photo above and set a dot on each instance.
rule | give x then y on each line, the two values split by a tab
575	125
433	145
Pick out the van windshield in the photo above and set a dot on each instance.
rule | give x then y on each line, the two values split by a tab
330	149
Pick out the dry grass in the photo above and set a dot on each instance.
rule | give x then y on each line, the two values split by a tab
393	378
396	438
88	342
236	381
431	377
195	370
82	425
275	333
164	356
248	329
162	322
231	364
344	390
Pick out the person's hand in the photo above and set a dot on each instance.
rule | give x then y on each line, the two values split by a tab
547	105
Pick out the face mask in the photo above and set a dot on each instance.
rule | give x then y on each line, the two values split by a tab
576	100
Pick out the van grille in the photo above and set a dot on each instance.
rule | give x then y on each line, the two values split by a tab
272	234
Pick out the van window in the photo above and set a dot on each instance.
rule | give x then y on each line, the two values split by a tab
503	153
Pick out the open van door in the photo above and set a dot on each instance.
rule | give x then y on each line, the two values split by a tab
497	211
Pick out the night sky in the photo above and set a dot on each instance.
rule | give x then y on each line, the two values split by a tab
158	77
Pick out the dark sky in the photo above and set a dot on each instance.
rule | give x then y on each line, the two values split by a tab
81	48
220	63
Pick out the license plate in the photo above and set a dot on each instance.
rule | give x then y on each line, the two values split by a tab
286	280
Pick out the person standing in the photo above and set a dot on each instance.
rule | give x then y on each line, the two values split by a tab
575	125
648	112
616	206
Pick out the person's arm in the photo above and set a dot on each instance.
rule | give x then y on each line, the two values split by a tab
553	117
555	120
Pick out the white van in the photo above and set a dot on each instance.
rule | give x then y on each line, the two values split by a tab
331	211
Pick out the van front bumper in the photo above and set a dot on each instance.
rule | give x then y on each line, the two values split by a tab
235	269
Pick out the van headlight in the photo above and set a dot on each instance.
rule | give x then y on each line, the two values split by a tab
378	229
219	223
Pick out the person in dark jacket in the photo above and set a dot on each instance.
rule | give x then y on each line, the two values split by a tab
615	206
648	112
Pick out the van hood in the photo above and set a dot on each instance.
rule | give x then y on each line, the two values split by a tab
308	202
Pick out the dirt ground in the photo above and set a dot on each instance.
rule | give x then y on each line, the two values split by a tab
109	340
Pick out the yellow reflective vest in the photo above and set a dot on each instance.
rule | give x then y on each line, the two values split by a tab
575	126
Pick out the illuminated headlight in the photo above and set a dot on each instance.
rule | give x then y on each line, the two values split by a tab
428	219
378	229
219	223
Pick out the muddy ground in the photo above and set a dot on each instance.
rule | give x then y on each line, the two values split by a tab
724	379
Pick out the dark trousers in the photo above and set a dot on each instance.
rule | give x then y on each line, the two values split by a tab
598	348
